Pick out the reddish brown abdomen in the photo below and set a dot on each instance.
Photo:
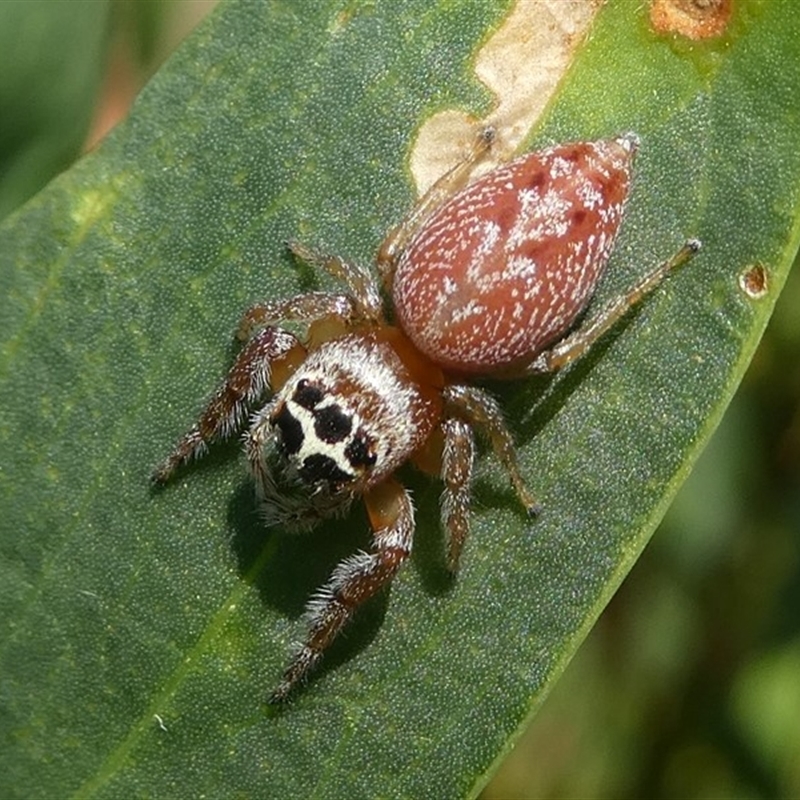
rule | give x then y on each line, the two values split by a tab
502	270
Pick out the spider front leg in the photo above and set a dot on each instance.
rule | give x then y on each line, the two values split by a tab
266	347
246	382
355	580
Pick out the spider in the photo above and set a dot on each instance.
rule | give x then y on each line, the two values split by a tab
486	279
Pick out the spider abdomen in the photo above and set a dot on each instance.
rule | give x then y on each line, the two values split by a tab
504	268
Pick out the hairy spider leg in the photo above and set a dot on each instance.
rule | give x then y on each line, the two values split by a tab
443	188
458	456
303	308
582	338
363	289
245	384
355	579
481	410
252	373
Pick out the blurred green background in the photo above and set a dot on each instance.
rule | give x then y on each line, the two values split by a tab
689	685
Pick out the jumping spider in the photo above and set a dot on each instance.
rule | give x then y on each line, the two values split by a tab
486	279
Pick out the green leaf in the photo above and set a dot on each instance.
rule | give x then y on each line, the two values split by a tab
51	55
142	631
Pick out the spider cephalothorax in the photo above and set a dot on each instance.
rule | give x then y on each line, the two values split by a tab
485	278
352	412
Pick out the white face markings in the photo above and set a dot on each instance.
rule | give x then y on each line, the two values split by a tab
325	434
349	412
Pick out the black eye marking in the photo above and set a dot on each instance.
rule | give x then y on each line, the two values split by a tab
291	431
331	424
358	452
307	394
318	467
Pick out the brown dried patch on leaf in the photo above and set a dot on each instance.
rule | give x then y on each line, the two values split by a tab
695	19
754	281
522	64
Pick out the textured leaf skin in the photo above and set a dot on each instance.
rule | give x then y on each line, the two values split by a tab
119	288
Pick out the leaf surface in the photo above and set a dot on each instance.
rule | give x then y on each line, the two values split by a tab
142	631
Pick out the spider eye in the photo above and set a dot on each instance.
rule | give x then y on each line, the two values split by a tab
359	453
307	394
291	431
331	424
